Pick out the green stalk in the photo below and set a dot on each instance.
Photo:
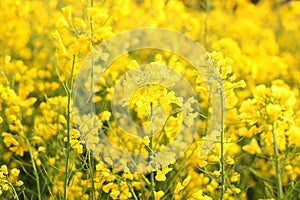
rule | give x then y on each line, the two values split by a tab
292	189
151	149
152	184
67	145
277	166
36	174
91	166
222	142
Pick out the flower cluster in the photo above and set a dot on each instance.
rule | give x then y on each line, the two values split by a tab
8	181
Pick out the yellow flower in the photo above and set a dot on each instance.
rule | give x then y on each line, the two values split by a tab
128	176
15	172
98	15
213	158
4	169
235	177
160	176
186	181
212	185
42	149
289	169
239	84
249	111
101	167
57	37
105	115
146	141
252	147
2	176
67	11
133	64
114	194
273	111
178	188
52	160
229	160
294	135
79	23
11	118
7	59
167	169
202	162
94	12
19	183
236	190
216	173
158	195
259	93
5	187
107	187
200	196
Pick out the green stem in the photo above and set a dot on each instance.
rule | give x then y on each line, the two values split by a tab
133	193
222	141
152	184
67	145
277	166
151	148
36	174
91	166
292	189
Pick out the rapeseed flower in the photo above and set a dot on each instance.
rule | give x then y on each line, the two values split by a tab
158	195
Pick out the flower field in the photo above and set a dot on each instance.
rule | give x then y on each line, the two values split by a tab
238	137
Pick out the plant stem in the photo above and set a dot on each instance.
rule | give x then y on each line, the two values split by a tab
292	189
152	184
151	149
91	167
36	174
133	193
67	145
222	140
277	166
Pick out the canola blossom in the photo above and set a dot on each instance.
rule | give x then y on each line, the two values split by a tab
149	74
